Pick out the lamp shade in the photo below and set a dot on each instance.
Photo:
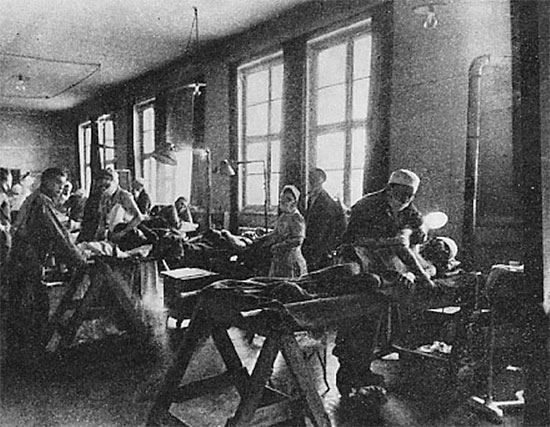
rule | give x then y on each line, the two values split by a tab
226	169
435	220
165	154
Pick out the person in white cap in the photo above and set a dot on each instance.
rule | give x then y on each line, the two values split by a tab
382	228
286	239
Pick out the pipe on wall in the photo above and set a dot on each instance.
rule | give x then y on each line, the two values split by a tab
473	127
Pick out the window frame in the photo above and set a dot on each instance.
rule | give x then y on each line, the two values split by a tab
106	144
140	156
315	46
85	155
268	62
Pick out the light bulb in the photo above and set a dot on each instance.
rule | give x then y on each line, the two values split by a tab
20	83
431	20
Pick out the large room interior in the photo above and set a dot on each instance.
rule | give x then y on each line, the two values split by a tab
222	105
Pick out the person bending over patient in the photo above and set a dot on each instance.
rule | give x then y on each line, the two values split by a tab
38	236
383	227
116	206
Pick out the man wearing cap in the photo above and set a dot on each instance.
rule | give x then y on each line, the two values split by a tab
382	228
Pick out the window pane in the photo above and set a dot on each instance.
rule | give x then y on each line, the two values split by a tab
109	134
109	155
274	188
255	151
148	119
331	105
360	99
356	185
335	183
149	177
257	87
330	151
276	110
183	170
254	190
148	142
331	66
88	150
275	156
362	57
88	180
358	138
256	120
277	82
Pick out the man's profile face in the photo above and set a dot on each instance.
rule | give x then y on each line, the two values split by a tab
103	184
181	205
53	187
316	179
401	196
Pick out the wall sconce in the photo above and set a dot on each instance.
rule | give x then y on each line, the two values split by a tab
226	169
165	154
428	10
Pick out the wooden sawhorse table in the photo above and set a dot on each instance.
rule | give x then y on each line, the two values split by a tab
260	405
104	278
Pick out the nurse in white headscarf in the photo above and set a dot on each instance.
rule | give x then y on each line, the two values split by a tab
287	238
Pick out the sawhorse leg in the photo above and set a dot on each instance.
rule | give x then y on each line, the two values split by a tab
101	277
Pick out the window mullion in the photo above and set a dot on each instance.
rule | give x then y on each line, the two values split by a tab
313	110
244	153
348	121
267	177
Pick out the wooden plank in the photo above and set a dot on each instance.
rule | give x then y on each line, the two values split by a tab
302	374
260	375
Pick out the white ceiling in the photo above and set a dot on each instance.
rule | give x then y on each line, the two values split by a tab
53	44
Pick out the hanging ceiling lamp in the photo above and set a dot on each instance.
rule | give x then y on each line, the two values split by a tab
427	9
166	152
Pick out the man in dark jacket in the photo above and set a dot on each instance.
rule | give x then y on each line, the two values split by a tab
38	237
325	223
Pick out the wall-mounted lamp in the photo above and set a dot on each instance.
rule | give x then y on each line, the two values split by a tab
165	154
427	9
435	220
227	169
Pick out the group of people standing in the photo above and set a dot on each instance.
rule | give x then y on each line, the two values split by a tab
299	242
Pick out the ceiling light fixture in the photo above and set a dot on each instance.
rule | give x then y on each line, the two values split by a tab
427	9
43	78
20	81
166	152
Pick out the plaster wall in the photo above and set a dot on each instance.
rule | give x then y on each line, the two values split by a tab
33	142
429	110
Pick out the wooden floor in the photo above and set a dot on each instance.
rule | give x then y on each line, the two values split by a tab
113	382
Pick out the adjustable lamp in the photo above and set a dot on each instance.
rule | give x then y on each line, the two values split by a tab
435	220
227	169
165	154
